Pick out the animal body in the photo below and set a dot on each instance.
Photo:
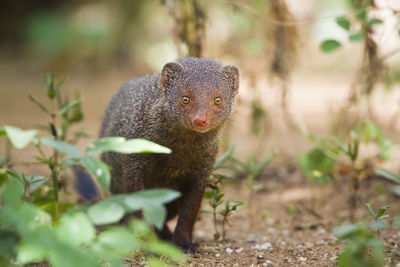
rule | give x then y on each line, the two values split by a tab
182	108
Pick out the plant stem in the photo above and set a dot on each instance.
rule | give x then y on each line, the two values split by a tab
250	199
223	225
353	197
54	176
8	152
216	235
377	230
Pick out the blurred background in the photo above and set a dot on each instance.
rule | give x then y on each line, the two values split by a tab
316	67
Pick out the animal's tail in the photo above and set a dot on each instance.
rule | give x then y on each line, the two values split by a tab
85	185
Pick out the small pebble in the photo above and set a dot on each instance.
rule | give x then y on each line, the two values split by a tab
270	221
285	232
308	245
200	233
302	259
239	250
265	246
217	255
229	250
260	258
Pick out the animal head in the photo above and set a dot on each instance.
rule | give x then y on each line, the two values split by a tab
200	92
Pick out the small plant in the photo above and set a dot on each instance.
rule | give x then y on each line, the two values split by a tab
230	207
215	201
379	218
215	196
331	158
291	209
253	171
363	248
36	226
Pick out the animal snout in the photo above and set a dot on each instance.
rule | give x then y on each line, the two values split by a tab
200	120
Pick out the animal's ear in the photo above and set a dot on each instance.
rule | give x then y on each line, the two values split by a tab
231	73
169	73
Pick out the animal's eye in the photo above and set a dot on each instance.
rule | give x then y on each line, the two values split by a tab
217	101
185	100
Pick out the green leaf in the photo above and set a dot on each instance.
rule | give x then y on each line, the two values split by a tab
76	229
166	249
343	22
139	227
378	225
37	102
232	205
396	221
260	167
208	194
49	82
155	262
44	245
291	209
345	230
12	192
316	161
77	114
361	12
151	203
67	107
98	170
382	211
8	243
155	215
224	158
121	145
372	22
19	138
387	174
356	37
70	161
119	240
106	212
395	190
63	147
370	210
329	46
141	198
35	182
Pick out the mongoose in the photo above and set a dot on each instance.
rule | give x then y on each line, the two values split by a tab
182	108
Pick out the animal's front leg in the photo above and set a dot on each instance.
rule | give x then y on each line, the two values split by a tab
190	203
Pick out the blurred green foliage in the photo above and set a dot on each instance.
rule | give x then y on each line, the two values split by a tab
37	226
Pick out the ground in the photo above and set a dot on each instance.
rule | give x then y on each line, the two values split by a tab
279	238
275	236
302	236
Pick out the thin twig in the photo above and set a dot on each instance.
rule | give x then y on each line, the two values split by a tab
302	21
384	57
311	211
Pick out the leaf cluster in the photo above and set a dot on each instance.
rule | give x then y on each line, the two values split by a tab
356	26
331	157
35	226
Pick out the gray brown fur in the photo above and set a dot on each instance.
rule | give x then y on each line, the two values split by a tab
151	107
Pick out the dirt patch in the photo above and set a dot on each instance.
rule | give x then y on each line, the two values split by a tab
281	238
